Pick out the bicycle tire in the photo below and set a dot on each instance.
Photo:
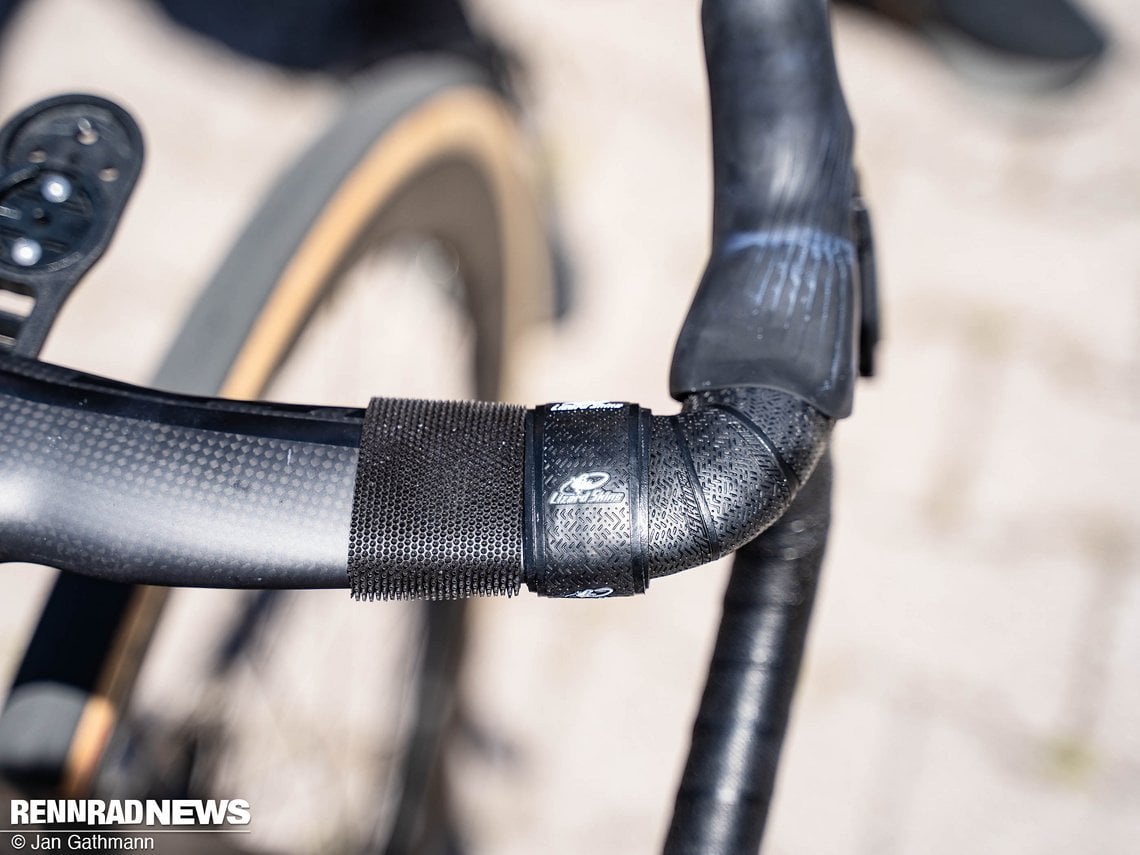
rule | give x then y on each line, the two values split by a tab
427	112
404	143
392	162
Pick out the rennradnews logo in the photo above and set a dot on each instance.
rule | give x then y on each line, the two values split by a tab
112	812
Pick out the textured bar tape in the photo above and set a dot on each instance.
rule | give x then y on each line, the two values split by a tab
586	500
437	509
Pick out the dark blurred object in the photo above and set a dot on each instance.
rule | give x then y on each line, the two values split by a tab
330	35
339	36
1037	43
7	7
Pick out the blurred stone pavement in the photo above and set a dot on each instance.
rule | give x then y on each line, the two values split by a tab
972	681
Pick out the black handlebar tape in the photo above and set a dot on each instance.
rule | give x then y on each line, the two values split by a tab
585	500
724	469
615	496
722	801
437	506
777	305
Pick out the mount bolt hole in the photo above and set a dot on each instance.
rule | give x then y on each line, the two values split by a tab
37	155
86	135
56	188
40	215
108	174
26	252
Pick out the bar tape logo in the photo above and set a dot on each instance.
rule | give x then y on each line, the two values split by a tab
588	488
112	812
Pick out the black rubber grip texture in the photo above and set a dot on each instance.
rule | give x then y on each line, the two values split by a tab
587	500
724	469
437	506
615	496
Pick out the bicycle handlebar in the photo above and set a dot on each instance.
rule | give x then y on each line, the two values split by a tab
134	485
438	499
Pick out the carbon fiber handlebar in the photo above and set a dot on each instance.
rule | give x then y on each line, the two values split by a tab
130	484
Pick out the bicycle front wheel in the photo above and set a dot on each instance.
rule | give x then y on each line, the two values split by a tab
413	209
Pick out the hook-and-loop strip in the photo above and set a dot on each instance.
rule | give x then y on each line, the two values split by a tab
437	509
